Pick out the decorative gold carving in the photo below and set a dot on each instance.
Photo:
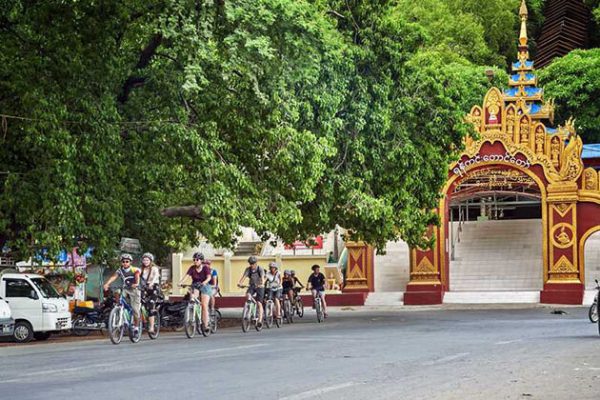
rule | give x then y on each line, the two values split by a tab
424	271
540	138
475	118
524	130
562	235
555	151
493	106
571	163
563	265
510	121
590	178
563	208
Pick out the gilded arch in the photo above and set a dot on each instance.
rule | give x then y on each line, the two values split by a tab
512	130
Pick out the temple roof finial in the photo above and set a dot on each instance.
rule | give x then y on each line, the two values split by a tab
523	14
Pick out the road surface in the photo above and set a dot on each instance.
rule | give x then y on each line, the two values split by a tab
437	354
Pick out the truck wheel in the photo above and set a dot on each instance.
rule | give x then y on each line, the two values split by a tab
23	332
41	335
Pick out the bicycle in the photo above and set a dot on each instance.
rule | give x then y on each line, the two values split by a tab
288	310
121	317
298	304
250	313
593	311
192	321
598	294
214	317
318	303
269	308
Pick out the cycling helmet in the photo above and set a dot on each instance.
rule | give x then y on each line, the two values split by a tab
126	256
198	256
149	256
273	265
252	260
287	272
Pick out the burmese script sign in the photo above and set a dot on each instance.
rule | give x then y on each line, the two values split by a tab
462	166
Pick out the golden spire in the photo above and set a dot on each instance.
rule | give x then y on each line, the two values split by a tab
523	14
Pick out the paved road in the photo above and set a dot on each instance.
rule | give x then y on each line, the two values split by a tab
443	354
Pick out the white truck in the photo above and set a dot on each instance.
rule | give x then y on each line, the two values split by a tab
7	324
37	309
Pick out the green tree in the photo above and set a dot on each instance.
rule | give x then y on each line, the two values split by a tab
574	82
287	116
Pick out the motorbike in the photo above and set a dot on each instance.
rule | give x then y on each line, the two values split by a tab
172	314
593	311
86	320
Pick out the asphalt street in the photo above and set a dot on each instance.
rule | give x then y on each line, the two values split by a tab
437	354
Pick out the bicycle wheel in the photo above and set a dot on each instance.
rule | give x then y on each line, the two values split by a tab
592	313
246	318
269	314
278	321
200	326
598	326
79	326
300	307
133	336
214	321
116	329
289	313
189	321
319	310
154	335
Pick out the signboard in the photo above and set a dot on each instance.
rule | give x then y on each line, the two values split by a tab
300	245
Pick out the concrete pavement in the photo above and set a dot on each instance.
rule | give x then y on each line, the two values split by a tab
436	354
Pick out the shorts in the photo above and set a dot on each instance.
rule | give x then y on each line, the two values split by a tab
320	292
260	292
276	293
134	298
203	289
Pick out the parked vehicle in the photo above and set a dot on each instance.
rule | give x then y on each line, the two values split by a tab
172	314
38	310
86	320
593	311
597	296
7	324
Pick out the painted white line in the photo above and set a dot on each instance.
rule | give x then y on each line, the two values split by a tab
318	392
248	346
509	341
62	371
445	359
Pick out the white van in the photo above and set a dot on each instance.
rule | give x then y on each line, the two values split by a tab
7	324
38	310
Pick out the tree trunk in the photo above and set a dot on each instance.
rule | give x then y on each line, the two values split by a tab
182	211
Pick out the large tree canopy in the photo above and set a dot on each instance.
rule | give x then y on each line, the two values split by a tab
574	82
287	116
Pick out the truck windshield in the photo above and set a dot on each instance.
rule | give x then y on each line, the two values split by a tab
45	287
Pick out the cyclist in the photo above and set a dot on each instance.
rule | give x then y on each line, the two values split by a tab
316	284
274	282
214	284
256	276
288	285
150	278
296	280
200	273
297	285
130	276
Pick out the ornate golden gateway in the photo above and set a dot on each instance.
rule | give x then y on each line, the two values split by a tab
513	143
